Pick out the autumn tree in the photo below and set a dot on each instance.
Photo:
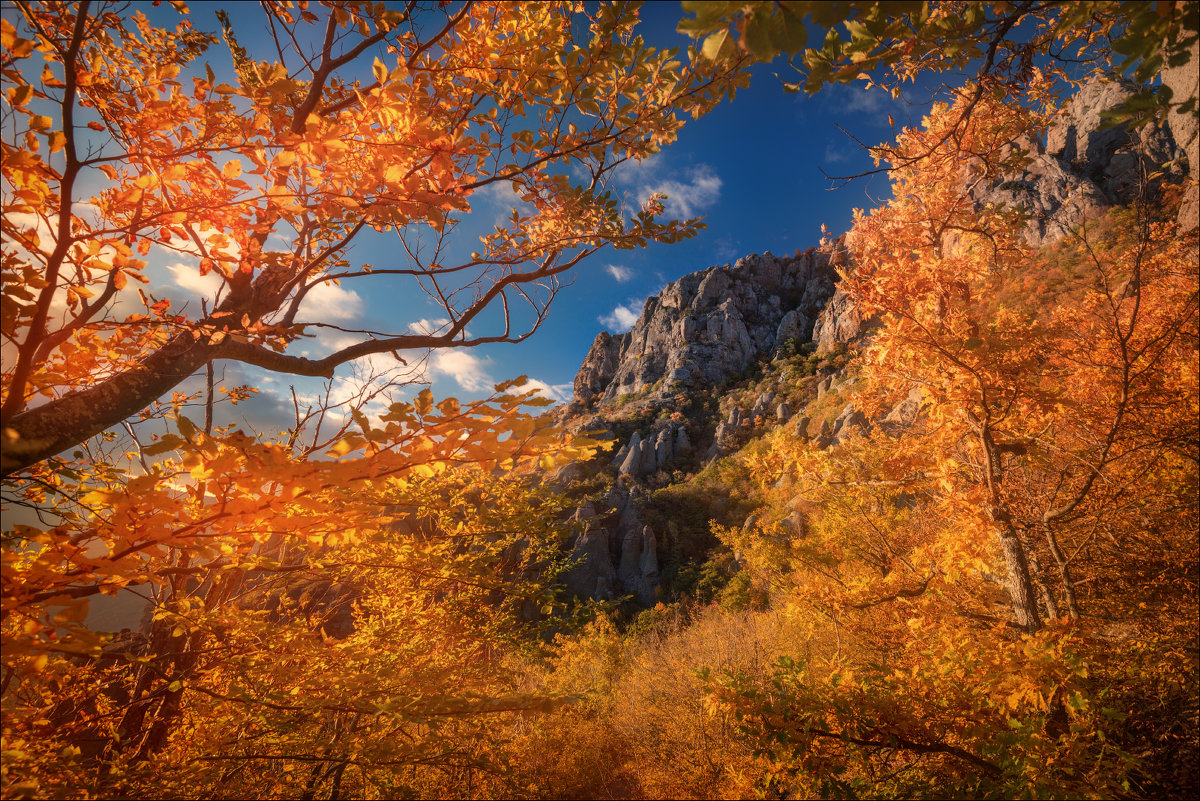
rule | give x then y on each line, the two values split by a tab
308	617
128	146
120	141
942	272
992	576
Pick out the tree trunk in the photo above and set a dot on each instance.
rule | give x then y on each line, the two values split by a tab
1040	580
1020	586
39	433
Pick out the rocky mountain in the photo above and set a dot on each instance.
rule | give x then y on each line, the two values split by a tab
710	327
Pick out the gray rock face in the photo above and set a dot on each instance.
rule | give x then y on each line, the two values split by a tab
599	366
709	325
647	580
619	459
795	526
762	405
629	570
1114	159
794	325
616	554
839	321
638	568
593	576
632	463
1056	198
657	451
1184	82
683	445
906	411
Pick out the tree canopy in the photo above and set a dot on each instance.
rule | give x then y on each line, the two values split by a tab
123	141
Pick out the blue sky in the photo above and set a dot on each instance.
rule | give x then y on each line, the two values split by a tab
753	168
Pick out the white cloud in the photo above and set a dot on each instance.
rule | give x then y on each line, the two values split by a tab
426	327
634	171
327	302
555	392
188	278
467	369
174	245
324	303
726	248
619	272
869	101
835	155
687	198
501	199
333	340
622	318
872	101
370	383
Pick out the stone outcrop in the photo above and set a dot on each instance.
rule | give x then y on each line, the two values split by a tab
709	326
1184	83
1084	167
657	451
598	367
615	553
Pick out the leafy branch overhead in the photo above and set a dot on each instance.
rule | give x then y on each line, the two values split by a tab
129	145
890	44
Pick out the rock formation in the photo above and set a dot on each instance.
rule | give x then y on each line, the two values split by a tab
709	326
615	554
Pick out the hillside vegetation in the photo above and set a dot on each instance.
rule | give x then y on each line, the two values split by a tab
911	513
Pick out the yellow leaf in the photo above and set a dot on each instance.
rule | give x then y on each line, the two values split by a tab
40	123
58	140
232	168
20	95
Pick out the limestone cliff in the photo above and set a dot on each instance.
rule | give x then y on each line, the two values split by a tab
709	326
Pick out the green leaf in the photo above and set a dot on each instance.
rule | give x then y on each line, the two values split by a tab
758	38
718	45
186	427
789	34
